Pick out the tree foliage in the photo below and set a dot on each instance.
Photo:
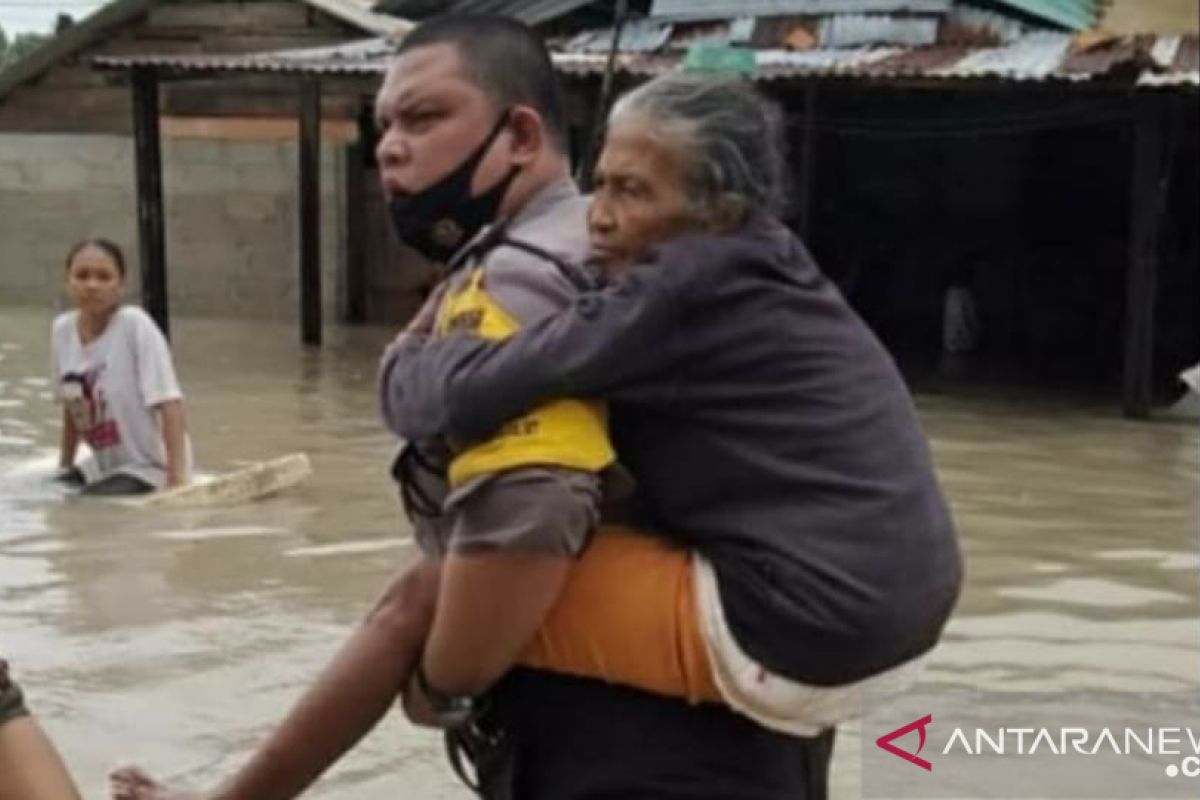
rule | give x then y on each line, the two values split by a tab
16	47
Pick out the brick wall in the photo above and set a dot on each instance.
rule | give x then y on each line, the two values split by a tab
231	219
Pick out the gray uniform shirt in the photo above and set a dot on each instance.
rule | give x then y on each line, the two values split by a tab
536	508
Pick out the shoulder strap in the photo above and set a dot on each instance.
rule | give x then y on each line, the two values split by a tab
497	236
576	274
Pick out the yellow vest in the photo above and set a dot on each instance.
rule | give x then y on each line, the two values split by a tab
562	433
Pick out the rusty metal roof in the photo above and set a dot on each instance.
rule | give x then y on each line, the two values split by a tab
723	9
1037	56
531	12
367	57
1176	60
1077	15
966	44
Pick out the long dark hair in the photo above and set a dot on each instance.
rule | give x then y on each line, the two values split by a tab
110	248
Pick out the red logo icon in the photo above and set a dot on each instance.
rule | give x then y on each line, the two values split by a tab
885	742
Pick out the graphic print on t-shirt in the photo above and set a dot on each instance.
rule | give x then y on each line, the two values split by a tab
84	399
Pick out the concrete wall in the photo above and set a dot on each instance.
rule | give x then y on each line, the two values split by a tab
231	219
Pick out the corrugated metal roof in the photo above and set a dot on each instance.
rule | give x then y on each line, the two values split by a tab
1078	15
637	36
1177	59
1033	56
531	12
854	30
976	26
723	9
1157	61
359	14
963	26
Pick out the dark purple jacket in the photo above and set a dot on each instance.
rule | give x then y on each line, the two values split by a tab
766	427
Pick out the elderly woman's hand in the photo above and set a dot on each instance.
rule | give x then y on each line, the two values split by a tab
422	322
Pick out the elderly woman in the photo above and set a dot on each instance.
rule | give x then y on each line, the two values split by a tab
803	558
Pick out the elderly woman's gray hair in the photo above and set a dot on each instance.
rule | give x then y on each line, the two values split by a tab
732	138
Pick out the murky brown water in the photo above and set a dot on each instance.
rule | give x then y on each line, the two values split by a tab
176	637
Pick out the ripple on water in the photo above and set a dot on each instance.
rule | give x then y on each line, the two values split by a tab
227	532
1093	592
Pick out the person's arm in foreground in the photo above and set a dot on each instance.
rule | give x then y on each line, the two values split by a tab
477	639
174	433
467	387
489	608
349	697
30	768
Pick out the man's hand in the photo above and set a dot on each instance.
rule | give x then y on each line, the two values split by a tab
417	707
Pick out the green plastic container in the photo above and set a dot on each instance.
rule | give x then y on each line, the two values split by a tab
719	59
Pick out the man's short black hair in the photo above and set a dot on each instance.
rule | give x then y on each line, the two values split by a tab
502	57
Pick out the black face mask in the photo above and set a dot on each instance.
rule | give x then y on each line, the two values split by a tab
439	220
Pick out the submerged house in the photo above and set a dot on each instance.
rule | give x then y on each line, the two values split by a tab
1036	157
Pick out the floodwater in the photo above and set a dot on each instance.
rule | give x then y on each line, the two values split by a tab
176	637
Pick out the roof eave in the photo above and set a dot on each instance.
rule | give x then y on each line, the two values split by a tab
69	41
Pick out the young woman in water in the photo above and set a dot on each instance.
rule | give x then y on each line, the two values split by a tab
30	769
116	382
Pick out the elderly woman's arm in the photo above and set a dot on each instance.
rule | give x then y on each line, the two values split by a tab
600	345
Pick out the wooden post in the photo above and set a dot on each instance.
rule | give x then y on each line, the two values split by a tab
151	230
1148	190
310	209
355	309
807	145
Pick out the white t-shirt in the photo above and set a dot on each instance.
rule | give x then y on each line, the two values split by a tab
110	387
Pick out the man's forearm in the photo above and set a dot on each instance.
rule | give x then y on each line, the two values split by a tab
351	695
418	708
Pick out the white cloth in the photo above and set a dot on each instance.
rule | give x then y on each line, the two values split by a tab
1191	377
960	321
773	701
111	386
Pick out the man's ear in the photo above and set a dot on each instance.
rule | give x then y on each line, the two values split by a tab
528	134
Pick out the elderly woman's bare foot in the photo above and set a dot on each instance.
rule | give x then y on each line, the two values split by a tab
131	783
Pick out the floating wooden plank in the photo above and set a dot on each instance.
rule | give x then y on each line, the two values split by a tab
242	486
